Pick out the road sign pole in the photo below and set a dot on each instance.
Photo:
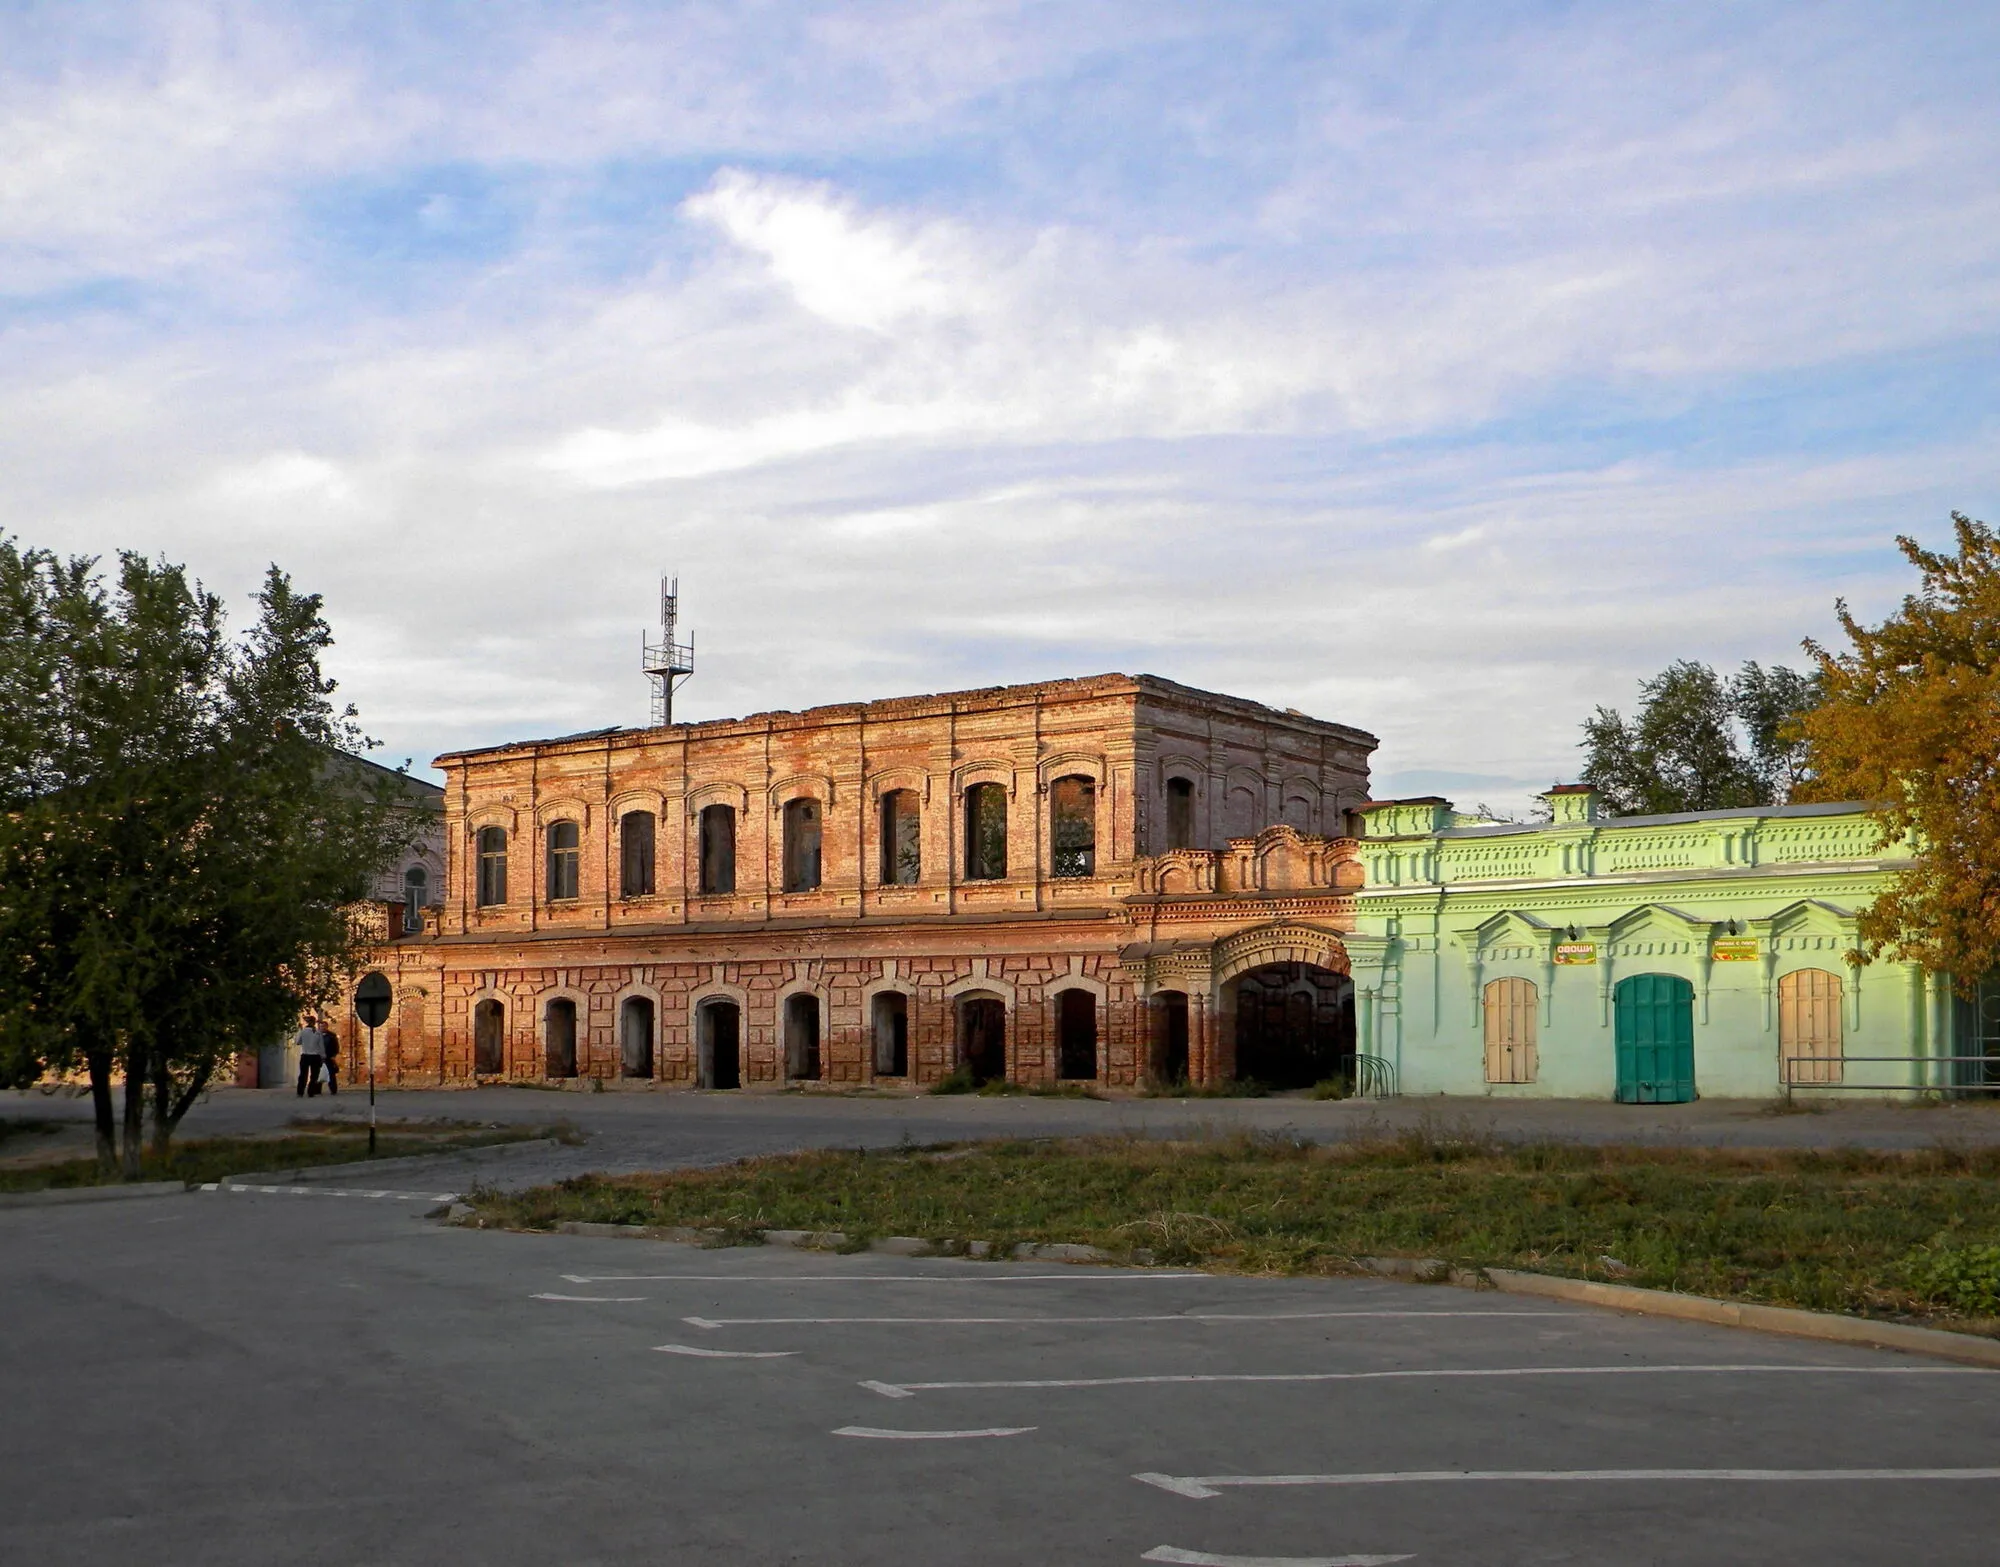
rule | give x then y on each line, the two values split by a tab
371	1005
371	1090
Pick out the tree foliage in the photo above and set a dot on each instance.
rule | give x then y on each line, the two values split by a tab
182	840
1910	723
1700	742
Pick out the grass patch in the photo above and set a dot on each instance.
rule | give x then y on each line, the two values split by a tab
1912	1236
309	1142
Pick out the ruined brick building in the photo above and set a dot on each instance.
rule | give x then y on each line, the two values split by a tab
1101	879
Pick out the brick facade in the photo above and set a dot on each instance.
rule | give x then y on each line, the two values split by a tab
1096	777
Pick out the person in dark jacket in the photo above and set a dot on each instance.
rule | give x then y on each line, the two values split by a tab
330	1053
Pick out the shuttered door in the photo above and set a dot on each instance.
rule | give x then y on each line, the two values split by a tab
1510	1031
1809	1038
1655	1018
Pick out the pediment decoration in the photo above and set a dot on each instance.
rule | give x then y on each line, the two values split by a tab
1284	941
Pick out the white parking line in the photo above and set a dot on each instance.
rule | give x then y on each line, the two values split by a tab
724	1354
911	1389
1201	1487
1180	1316
1074	1276
880	1435
1173	1553
602	1299
299	1190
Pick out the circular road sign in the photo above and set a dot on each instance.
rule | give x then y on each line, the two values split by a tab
371	1000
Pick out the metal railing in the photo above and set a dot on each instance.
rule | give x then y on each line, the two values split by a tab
1987	1080
1375	1078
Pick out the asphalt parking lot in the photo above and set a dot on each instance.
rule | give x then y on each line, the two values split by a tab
234	1377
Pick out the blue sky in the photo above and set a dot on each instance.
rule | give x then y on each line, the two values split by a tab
1440	369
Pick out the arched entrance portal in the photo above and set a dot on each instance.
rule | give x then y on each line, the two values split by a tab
982	1037
718	1038
489	1039
1168	1062
635	1037
1293	1024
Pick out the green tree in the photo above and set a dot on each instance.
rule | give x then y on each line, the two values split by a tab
1910	723
182	846
1700	742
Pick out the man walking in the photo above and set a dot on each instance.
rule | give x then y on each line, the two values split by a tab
329	1054
310	1055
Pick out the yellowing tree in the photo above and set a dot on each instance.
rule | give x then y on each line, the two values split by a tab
1910	723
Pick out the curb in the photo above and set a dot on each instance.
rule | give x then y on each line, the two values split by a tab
835	1240
59	1195
405	1161
1789	1320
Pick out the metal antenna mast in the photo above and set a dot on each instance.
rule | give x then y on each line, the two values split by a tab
667	663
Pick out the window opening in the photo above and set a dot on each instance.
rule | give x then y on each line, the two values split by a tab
1073	827
718	850
1180	813
891	1019
416	893
802	838
1170	1036
1076	1034
492	866
565	861
635	854
902	839
982	1037
986	832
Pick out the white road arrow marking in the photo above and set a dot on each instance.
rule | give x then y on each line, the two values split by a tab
1173	1553
1179	1316
880	1435
605	1299
723	1354
1201	1487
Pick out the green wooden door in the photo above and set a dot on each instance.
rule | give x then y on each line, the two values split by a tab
1655	1014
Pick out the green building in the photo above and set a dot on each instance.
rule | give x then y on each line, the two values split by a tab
1645	958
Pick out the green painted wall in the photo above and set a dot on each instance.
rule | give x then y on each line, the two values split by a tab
1731	901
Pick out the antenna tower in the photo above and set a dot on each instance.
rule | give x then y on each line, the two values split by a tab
667	663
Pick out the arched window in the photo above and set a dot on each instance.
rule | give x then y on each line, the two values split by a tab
492	866
559	1038
902	839
802	836
718	850
986	832
635	1036
416	893
1073	827
1180	813
565	860
890	1017
635	854
1511	1031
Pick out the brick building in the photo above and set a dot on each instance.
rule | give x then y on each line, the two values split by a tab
1098	879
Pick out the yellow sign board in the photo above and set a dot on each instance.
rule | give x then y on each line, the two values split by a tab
1736	949
1576	952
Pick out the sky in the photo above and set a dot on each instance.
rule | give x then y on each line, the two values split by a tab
1440	369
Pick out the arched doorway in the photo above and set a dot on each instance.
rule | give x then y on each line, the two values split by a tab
635	1037
489	1039
1293	1024
559	1038
982	1037
889	1017
1655	1039
802	1038
1168	1062
1076	1034
719	1040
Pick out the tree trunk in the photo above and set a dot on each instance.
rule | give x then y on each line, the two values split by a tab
100	1101
135	1106
182	1105
163	1105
